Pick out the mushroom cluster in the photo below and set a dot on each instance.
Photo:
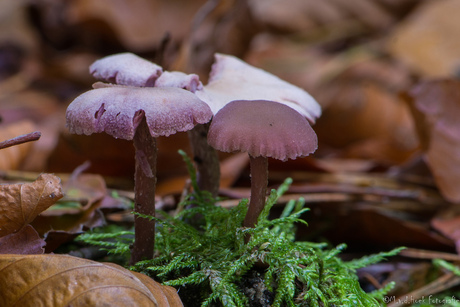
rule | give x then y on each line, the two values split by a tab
253	111
129	111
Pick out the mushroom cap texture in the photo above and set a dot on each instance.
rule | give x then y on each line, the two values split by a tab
233	79
126	69
179	79
118	111
262	128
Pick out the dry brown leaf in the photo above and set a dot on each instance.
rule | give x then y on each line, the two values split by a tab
219	26
14	26
27	280
447	222
107	159
139	24
306	15
21	203
368	122
84	196
24	242
87	189
436	106
428	40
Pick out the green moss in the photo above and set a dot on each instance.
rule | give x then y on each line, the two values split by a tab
202	250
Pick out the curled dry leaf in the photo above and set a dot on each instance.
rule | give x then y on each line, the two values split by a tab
21	203
27	280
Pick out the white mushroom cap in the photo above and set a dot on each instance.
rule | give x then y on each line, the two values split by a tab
126	69
233	79
118	111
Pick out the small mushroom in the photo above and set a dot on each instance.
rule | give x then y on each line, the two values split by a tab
126	69
141	115
129	69
233	79
262	129
189	82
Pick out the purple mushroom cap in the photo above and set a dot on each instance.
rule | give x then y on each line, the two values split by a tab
118	111
262	128
189	82
126	69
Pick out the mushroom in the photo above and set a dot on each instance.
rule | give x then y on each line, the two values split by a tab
126	69
233	79
141	115
129	69
262	129
190	82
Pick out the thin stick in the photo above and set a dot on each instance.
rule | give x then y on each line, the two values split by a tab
444	282
33	136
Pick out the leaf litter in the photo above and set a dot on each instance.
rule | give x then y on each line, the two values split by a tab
386	170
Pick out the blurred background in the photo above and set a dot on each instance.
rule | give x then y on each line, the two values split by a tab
387	168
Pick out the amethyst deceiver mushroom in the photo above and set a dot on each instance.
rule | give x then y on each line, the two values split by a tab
141	115
263	129
233	79
126	69
129	69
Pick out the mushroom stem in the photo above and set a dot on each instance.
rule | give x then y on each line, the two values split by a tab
259	182
206	159
144	193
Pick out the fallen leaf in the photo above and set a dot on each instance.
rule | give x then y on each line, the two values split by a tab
224	27
20	203
14	26
55	238
382	128
87	189
447	222
28	280
107	159
367	225
436	107
85	194
427	41
24	242
140	24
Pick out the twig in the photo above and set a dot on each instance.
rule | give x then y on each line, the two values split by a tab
444	282
33	136
427	254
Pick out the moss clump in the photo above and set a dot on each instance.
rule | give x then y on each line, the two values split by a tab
210	258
